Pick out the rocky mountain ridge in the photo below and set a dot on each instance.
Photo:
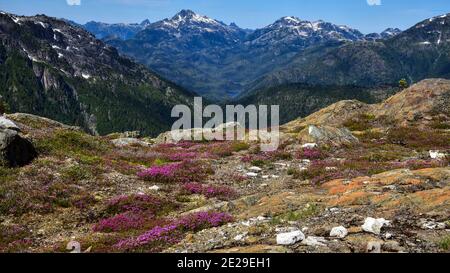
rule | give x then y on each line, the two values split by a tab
54	69
189	48
415	54
120	30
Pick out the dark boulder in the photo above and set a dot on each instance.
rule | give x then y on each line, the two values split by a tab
15	151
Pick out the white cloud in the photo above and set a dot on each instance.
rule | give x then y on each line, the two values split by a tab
73	2
374	2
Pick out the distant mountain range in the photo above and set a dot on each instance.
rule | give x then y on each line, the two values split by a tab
57	69
119	31
219	60
423	51
365	70
54	69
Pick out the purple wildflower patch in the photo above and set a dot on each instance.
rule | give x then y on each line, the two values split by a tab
181	172
171	233
137	203
121	222
311	154
210	191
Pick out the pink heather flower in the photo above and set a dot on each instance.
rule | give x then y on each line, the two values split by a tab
210	191
135	203
121	222
171	233
194	188
311	153
163	171
181	172
181	156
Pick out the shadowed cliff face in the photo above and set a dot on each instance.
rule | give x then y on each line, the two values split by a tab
54	69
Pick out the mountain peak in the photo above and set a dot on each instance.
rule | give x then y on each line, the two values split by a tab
290	20
146	22
188	16
185	13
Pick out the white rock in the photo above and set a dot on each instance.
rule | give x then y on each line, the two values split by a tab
255	169
8	124
261	218
334	210
314	241
431	225
290	238
240	237
154	188
374	247
265	177
437	155
309	145
123	142
373	225
251	174
275	176
228	126
339	232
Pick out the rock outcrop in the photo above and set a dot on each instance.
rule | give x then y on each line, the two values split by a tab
327	135
15	150
417	105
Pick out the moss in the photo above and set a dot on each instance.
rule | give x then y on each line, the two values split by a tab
90	160
240	146
160	162
72	143
76	173
183	198
310	210
7	174
382	153
360	123
440	125
419	139
259	163
444	243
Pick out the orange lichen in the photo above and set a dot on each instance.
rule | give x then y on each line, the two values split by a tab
339	187
434	197
354	198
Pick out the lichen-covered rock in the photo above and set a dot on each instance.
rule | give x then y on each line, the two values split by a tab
339	232
123	142
327	135
290	238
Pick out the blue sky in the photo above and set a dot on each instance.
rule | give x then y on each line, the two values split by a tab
373	17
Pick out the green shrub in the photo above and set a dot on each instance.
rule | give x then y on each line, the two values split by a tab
360	123
418	139
240	146
65	142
